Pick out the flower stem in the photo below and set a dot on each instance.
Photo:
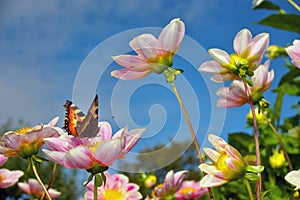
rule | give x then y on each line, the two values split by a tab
281	144
251	196
38	178
95	189
257	150
294	4
51	179
191	129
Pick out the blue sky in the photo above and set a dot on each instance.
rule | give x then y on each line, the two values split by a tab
44	46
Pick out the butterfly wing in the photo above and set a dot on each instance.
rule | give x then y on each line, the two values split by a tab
73	116
88	127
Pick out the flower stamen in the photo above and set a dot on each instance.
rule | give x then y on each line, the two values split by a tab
24	130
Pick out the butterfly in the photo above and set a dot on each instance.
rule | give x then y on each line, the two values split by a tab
78	124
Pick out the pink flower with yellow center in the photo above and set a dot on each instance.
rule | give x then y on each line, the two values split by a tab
9	178
227	163
294	52
235	95
26	142
190	190
247	57
170	186
33	188
117	187
92	153
154	55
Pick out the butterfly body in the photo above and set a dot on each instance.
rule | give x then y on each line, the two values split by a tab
77	123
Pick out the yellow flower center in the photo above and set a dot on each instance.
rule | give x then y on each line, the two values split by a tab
24	130
93	147
2	178
187	190
221	164
238	61
113	195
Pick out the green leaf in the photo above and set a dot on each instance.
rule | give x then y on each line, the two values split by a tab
251	176
255	169
98	180
240	141
288	22
291	144
293	73
267	5
89	180
103	178
291	88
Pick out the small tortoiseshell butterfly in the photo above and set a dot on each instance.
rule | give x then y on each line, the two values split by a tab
78	124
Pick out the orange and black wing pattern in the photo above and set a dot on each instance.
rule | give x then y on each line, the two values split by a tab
77	123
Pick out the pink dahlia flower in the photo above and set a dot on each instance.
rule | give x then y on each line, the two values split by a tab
33	188
170	186
235	95
9	178
190	190
87	153
154	55
26	142
294	52
248	55
227	163
117	187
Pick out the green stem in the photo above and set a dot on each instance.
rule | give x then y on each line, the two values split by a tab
251	196
191	129
257	150
280	143
294	4
95	190
38	178
51	179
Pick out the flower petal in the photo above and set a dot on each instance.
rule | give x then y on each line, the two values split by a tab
212	67
109	151
145	45
293	178
259	44
224	77
212	181
212	154
126	74
138	63
79	157
105	131
55	156
131	138
220	56
209	169
241	41
3	159
9	178
171	36
217	142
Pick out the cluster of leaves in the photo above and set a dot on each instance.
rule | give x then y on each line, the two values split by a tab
279	20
